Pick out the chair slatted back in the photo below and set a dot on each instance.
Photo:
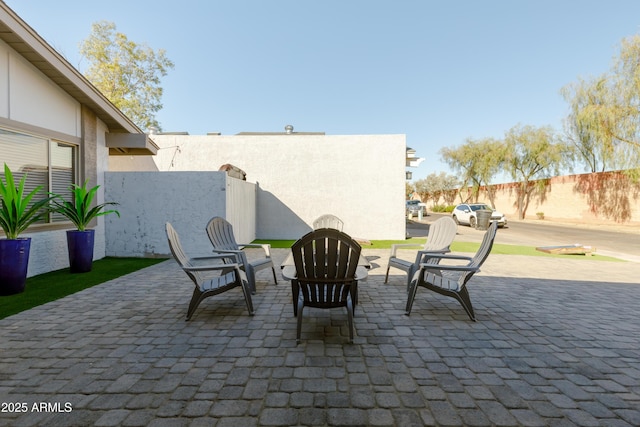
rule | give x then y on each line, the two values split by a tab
326	262
483	252
441	234
220	233
485	246
328	221
179	254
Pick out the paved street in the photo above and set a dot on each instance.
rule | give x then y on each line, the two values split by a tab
611	240
556	344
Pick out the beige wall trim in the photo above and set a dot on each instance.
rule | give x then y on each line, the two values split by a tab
46	133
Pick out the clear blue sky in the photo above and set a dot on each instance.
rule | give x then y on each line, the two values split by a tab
437	71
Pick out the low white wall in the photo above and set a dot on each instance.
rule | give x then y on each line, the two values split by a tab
49	249
147	200
359	178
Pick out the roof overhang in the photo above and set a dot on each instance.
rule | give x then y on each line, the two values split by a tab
130	144
25	41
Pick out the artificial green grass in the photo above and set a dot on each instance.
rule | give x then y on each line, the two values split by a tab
60	283
459	247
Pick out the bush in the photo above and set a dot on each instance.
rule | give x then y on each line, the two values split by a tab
442	208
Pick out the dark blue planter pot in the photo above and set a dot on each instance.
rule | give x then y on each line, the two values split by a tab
14	260
80	245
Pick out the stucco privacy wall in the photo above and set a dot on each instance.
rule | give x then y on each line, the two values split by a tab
147	200
31	100
359	178
592	198
586	198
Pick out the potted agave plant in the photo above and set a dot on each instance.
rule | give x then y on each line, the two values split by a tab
17	212
79	211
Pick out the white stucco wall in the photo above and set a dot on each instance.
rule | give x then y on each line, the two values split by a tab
30	97
188	200
359	178
4	80
48	251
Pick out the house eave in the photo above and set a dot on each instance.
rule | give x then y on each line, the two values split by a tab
130	144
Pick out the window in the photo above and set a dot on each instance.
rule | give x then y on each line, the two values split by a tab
479	207
46	162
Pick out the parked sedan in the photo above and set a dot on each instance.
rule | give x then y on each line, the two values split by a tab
465	213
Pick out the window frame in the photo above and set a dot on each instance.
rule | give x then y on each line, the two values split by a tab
76	149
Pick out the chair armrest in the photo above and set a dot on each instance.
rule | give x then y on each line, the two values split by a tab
447	256
443	251
231	256
266	247
238	255
397	246
226	251
449	267
213	267
428	254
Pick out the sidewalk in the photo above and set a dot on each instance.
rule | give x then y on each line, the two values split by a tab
555	345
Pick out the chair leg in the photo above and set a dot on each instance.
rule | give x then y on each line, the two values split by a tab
463	298
354	295
299	311
196	298
251	277
295	295
350	308
247	298
411	295
275	279
386	277
410	275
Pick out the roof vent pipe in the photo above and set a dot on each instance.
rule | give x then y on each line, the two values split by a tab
288	129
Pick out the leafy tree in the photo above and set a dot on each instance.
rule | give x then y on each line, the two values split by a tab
585	126
532	154
435	186
409	189
477	161
605	113
450	188
127	73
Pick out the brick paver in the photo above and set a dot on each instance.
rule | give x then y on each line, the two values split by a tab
556	343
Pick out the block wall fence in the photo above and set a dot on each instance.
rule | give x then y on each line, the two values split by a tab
594	198
188	200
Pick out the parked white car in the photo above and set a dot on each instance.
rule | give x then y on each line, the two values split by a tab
465	213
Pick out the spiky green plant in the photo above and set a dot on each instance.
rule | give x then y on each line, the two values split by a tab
79	210
15	213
